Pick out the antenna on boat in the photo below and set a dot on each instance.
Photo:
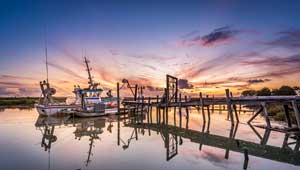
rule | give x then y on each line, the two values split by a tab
88	70
46	55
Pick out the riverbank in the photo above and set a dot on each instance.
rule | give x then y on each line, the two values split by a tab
24	101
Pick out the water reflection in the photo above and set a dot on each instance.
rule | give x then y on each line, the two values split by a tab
173	135
170	133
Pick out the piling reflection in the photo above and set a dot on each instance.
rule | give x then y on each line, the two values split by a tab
173	134
145	122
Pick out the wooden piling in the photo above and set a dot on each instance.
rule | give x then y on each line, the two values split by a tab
235	110
246	159
118	97
202	107
266	115
180	111
135	92
287	115
297	114
213	104
157	109
148	109
228	101
186	108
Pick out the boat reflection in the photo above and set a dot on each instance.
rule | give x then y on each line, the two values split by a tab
84	127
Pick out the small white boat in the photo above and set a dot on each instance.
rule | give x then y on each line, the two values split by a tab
52	110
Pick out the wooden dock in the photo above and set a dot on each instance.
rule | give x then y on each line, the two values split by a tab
173	99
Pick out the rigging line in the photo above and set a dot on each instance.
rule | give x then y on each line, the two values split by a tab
46	54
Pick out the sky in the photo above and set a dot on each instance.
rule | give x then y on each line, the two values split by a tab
209	45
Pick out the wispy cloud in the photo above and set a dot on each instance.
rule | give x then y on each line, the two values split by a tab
5	76
219	35
216	37
257	81
288	39
275	61
14	88
65	70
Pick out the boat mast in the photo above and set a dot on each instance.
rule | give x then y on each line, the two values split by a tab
88	70
46	55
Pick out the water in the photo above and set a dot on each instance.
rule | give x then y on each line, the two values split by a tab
98	143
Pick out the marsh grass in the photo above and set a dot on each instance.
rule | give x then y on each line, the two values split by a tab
24	101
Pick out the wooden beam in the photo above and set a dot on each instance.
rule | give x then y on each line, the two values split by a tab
297	114
266	115
287	115
255	115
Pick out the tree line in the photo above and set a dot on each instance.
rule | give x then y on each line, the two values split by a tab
282	91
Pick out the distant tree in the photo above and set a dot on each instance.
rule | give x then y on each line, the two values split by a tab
296	87
284	91
248	93
264	92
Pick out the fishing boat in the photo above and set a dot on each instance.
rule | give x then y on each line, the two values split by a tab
46	105
88	102
90	99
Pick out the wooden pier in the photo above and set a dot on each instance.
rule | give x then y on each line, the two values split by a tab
172	98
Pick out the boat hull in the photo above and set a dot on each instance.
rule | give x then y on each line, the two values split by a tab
111	111
54	110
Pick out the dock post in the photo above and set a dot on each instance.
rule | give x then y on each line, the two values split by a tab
287	115
157	99
119	138
148	110
202	107
297	114
135	92
246	158
180	113
118	97
142	111
228	101
175	115
213	104
265	111
235	110
208	124
186	108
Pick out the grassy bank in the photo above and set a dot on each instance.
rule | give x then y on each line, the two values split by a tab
24	101
277	112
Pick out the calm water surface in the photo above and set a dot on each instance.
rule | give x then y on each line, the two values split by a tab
28	142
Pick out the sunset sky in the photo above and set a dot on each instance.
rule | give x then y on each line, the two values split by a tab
213	44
